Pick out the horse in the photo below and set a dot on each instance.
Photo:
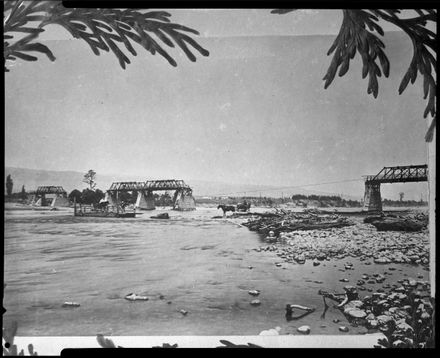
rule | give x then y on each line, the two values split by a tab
226	208
243	206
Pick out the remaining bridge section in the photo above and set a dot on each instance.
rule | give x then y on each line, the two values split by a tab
165	185
399	174
59	196
409	173
183	199
42	190
127	186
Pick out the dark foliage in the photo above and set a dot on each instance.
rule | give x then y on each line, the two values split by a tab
75	194
91	197
9	185
358	34
107	30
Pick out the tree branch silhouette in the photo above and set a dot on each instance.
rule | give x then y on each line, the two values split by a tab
102	29
358	34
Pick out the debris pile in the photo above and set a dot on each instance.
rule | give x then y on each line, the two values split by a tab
410	223
286	221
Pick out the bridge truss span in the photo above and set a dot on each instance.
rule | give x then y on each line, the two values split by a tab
182	200
60	196
171	184
127	186
398	174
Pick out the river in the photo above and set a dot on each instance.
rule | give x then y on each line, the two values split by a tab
190	262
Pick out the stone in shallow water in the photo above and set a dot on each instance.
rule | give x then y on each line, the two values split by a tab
343	329
255	303
271	332
383	319
355	313
254	292
373	323
382	260
304	329
70	304
135	297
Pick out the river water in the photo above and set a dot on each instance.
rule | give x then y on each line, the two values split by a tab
190	262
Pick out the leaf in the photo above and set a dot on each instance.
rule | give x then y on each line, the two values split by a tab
31	349
282	11
385	63
38	47
430	133
31	30
344	68
105	342
404	82
10	332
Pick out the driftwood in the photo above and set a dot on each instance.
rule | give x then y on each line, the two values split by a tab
289	311
285	221
240	214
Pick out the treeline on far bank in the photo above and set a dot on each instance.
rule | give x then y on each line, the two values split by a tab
300	200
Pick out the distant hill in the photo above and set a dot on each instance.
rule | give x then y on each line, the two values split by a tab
69	180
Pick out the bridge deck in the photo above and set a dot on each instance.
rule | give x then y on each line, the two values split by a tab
400	174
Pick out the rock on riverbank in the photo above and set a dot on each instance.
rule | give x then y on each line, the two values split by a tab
360	240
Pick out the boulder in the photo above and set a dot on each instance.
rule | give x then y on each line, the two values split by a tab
271	332
383	319
382	260
254	292
355	313
304	329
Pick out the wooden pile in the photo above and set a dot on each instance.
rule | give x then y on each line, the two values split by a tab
286	221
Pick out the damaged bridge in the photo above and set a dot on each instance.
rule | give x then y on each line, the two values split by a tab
182	199
400	174
50	195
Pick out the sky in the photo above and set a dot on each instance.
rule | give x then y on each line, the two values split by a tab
253	112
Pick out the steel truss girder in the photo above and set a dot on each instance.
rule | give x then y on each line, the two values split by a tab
400	174
50	189
151	185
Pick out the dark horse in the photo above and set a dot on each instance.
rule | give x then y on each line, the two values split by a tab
226	208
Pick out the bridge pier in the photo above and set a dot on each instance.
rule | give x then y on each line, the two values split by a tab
372	198
60	201
145	200
38	200
111	198
184	201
